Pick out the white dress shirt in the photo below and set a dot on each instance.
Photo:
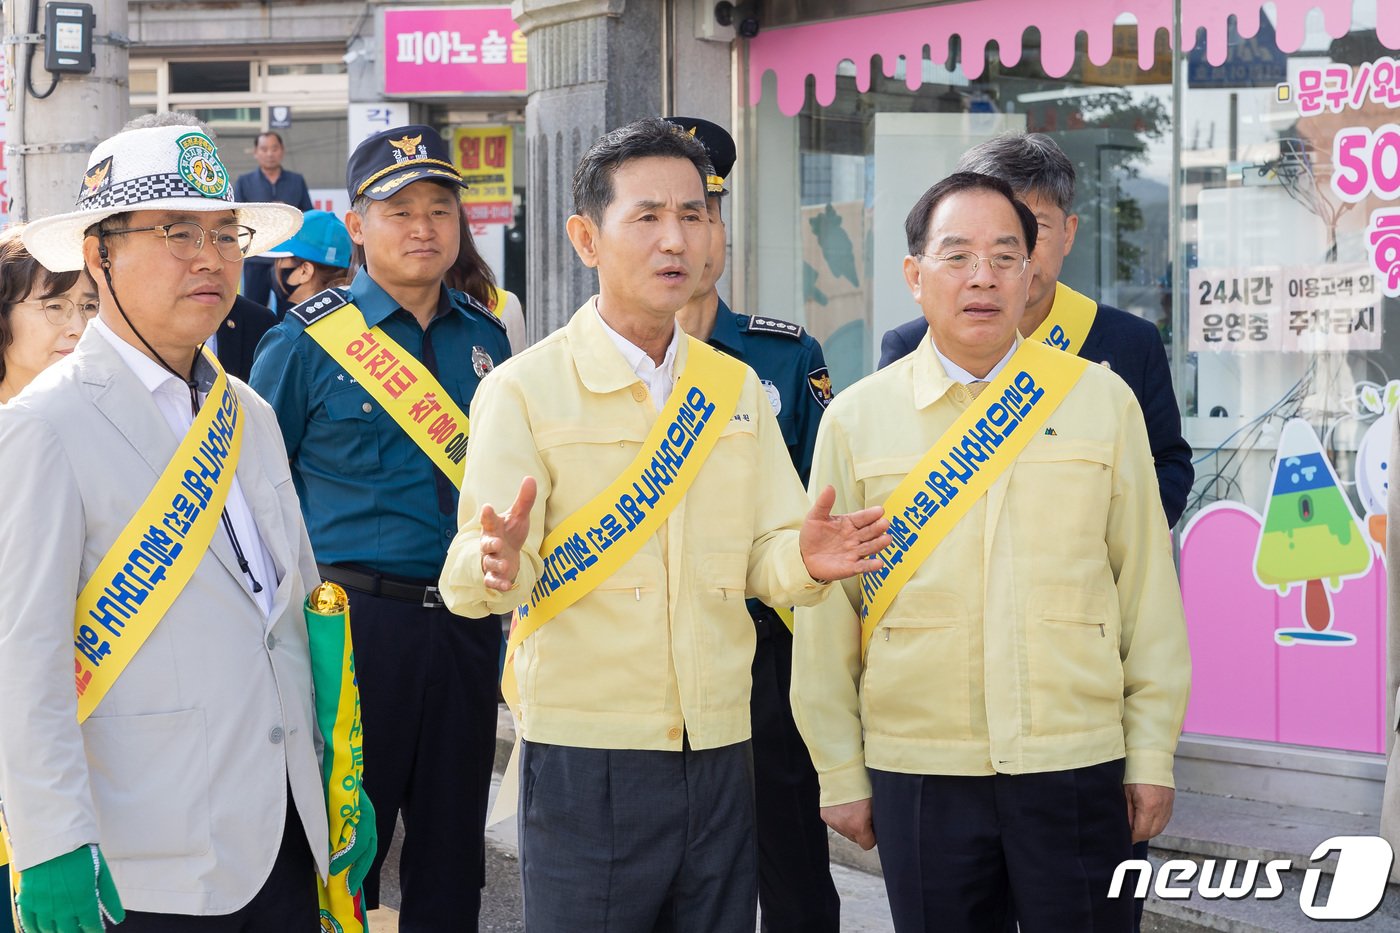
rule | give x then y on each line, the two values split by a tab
172	398
958	374
659	379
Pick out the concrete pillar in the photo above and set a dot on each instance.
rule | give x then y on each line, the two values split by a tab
594	65
49	139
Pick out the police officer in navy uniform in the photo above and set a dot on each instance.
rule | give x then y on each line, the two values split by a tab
381	514
796	893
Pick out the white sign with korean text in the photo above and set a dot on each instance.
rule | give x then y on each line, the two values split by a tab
1236	309
1333	307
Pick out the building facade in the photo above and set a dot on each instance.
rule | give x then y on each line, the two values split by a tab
325	74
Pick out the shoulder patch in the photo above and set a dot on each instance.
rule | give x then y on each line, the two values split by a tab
319	305
767	325
471	303
819	381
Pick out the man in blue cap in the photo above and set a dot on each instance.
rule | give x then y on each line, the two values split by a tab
371	384
795	890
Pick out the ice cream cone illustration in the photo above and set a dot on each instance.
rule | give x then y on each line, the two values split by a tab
1310	536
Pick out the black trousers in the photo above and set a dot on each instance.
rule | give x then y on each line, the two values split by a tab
631	841
795	890
966	854
428	703
287	900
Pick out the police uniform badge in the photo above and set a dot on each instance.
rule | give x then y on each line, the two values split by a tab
481	362
775	398
819	381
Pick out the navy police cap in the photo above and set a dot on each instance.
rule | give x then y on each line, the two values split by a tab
387	161
717	142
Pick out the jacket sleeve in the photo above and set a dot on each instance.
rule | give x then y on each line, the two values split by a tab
1152	647
44	779
1170	452
502	452
279	376
826	662
777	574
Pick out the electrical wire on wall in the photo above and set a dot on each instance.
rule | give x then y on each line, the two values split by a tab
29	57
1227	459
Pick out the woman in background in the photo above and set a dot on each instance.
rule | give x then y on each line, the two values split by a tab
472	275
42	314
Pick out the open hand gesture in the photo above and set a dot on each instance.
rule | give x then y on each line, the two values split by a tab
503	534
838	546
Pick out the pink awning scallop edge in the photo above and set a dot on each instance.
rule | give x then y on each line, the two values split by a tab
796	53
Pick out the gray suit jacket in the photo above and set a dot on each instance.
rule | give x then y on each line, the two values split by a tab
181	774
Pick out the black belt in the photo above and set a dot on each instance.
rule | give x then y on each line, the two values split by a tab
376	584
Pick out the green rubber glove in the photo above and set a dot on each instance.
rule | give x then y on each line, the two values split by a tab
361	852
72	893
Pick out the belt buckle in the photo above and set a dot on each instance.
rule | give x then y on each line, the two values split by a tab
432	599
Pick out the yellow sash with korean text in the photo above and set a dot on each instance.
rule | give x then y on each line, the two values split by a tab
398	381
597	540
1067	325
962	465
157	552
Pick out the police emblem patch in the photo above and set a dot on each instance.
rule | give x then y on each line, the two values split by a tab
409	147
481	362
775	398
200	166
819	381
97	179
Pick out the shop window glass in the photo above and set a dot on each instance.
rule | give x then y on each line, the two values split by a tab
1290	242
862	161
306	68
209	77
316	147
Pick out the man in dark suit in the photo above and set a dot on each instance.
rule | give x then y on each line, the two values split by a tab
1043	177
237	338
268	182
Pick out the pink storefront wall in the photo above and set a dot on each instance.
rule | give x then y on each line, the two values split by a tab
815	51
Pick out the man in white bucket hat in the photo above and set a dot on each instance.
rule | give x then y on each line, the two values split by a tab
153	555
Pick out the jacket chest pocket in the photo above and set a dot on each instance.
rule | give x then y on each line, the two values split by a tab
1064	486
352	420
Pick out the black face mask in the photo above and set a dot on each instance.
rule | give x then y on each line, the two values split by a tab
280	283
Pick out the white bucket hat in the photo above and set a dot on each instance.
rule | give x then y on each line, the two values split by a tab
165	168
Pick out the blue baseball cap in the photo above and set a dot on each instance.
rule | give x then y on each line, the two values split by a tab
323	238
